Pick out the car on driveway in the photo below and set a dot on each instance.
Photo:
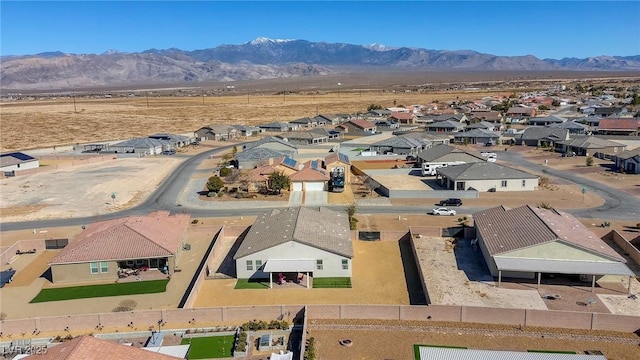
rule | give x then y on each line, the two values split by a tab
443	211
450	202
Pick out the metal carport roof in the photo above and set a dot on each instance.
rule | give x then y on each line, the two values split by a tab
435	353
562	266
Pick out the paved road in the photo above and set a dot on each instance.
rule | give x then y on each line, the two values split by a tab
618	204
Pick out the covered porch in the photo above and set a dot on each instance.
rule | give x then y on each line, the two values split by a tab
136	267
290	272
587	270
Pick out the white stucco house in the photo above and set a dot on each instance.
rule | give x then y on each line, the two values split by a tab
17	161
486	176
297	243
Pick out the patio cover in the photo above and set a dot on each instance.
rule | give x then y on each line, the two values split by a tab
562	266
289	265
281	356
179	351
435	353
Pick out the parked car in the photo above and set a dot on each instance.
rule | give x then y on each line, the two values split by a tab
169	152
488	154
443	211
450	202
492	159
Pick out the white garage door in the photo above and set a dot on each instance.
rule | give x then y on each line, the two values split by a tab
297	186
314	186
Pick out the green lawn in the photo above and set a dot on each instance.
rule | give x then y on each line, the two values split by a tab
92	291
209	347
252	284
331	282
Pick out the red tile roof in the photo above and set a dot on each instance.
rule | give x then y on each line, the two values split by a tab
619	124
361	123
91	348
134	237
401	116
309	174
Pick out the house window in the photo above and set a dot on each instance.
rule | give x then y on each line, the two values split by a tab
258	264
524	183
249	265
319	265
94	267
104	267
503	183
345	264
615	149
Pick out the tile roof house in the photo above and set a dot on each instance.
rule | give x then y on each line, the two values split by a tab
541	136
305	137
311	177
279	126
216	132
400	145
572	127
244	130
629	161
546	120
403	118
96	254
489	116
485	176
619	126
337	159
526	241
445	126
446	153
485	125
294	242
17	161
143	146
518	111
305	122
90	348
589	146
477	136
357	127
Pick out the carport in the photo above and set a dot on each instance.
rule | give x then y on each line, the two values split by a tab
305	266
568	267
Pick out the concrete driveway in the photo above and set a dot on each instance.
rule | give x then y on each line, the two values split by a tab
316	198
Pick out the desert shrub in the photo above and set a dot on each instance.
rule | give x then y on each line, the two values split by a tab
353	223
194	221
545	205
637	226
543	181
224	172
589	161
3	316
310	349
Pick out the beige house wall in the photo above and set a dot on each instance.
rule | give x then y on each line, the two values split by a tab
556	250
512	185
81	272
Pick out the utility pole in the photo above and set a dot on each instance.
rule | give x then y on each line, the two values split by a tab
74	102
147	99
202	97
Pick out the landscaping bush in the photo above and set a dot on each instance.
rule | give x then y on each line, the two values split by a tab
589	161
194	221
255	325
353	223
224	172
241	342
310	349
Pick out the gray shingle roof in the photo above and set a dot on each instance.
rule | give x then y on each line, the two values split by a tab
141	143
504	230
478	133
304	120
538	132
483	171
629	154
447	124
481	125
324	229
267	140
569	125
547	119
438	152
402	142
276	125
591	142
257	154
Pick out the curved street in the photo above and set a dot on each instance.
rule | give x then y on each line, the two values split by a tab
618	204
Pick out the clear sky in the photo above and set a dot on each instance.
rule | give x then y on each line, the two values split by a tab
546	29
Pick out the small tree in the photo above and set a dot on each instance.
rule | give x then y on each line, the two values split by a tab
374	107
279	181
353	222
589	161
234	150
214	184
224	172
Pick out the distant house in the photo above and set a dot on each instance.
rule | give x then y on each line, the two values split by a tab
547	120
403	118
247	131
476	136
328	119
357	127
250	158
618	126
518	111
433	138
572	127
311	177
273	143
445	126
17	161
377	114
279	126
153	241
483	125
386	125
297	244
488	116
460	118
305	122
172	141
485	176
527	242
541	136
609	111
446	153
305	137
590	146
400	145
216	132
142	146
629	161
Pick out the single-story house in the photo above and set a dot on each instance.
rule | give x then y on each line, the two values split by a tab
488	116
518	111
476	136
609	111
445	126
433	138
485	176
541	136
329	119
572	127
305	122
387	125
446	153
527	241
258	156
629	161
403	118
279	126
258	177
377	114
311	177
484	125
460	118
338	159
87	347
244	130
17	161
546	120
590	146
273	143
296	243
216	132
104	248
143	146
618	126
400	145
357	127
173	141
330	134
305	137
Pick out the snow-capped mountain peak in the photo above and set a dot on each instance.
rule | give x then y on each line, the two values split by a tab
265	40
379	47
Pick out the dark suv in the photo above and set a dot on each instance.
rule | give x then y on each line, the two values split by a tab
450	202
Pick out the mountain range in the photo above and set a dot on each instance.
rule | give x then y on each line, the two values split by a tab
263	58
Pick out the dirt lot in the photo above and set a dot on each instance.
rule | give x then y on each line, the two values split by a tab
83	190
394	340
